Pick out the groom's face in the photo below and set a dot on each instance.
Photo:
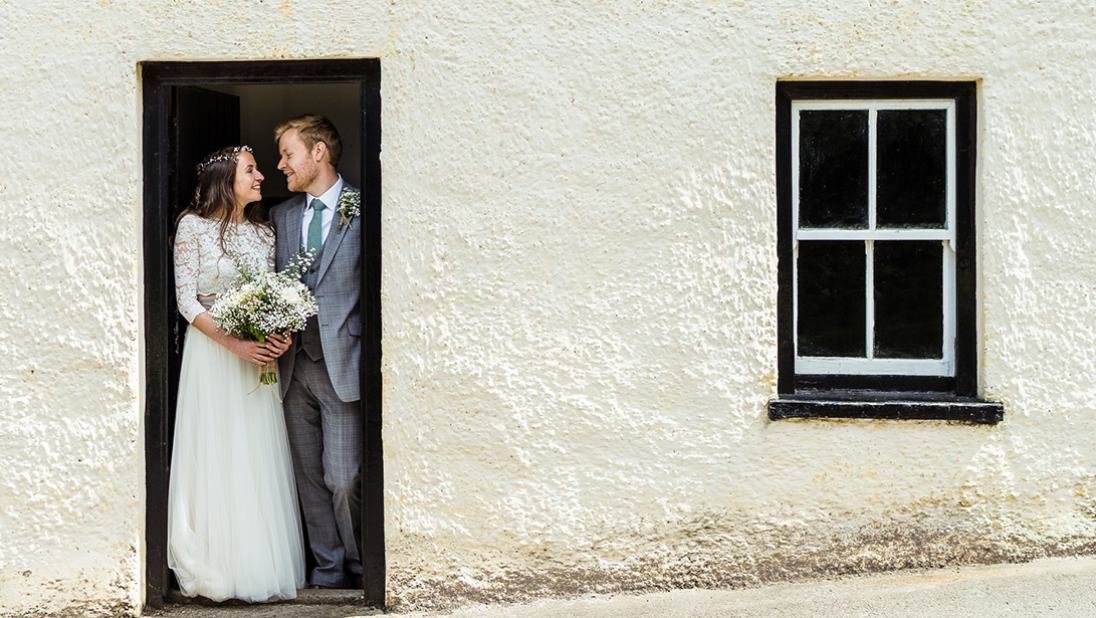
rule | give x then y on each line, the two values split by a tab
299	163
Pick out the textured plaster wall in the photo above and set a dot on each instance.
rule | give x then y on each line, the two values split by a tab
579	292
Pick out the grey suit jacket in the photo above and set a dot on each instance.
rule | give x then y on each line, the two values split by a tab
338	294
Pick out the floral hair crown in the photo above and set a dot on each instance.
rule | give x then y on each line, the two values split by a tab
231	155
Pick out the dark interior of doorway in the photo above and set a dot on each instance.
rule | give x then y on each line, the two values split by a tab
191	109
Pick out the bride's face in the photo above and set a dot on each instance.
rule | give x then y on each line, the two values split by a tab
248	180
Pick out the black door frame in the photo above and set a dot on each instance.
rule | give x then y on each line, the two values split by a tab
160	313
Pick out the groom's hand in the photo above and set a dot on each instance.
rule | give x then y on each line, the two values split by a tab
278	344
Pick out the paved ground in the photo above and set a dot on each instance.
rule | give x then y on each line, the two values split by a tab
1059	588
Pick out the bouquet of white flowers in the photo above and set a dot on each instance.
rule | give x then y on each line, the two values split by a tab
265	303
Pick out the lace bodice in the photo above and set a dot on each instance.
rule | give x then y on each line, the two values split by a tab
202	268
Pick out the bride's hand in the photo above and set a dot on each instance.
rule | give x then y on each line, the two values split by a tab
252	351
278	344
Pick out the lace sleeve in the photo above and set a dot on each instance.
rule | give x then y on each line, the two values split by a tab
271	254
186	268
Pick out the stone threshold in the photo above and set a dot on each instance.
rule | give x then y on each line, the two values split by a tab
304	597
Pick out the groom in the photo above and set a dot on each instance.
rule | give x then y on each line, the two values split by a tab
320	371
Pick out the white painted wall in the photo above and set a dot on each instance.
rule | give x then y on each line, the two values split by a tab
579	292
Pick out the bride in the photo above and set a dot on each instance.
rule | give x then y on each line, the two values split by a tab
233	524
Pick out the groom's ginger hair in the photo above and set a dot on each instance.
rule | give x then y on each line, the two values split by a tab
313	128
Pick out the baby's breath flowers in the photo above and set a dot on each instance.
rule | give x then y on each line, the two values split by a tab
231	155
266	303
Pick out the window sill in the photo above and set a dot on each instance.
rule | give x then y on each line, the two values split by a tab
886	406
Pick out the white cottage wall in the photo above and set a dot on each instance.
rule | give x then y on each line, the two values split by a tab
579	293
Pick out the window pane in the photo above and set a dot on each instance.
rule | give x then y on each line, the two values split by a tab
911	189
833	169
909	297
831	298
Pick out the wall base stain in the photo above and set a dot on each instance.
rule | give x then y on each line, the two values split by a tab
869	549
89	609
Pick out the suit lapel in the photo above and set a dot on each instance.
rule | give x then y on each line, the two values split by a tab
293	226
334	238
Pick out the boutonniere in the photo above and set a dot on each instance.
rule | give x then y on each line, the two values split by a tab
350	206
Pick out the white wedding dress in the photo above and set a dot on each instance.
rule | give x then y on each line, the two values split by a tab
234	529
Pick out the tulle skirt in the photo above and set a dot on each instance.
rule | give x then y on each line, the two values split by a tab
234	528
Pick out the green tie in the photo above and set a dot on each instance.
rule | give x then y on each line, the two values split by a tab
315	227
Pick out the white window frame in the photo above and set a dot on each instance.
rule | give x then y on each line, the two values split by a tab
870	365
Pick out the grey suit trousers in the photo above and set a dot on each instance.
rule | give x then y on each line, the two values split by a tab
325	438
325	432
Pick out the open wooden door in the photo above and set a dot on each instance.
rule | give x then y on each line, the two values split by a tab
199	121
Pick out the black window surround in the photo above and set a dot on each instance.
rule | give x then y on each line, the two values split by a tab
923	397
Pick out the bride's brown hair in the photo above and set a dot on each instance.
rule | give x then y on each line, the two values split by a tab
215	196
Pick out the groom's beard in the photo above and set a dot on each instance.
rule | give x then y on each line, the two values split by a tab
301	178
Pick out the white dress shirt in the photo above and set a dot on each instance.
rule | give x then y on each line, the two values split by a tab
330	201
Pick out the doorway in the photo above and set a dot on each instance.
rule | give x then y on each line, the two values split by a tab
189	110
